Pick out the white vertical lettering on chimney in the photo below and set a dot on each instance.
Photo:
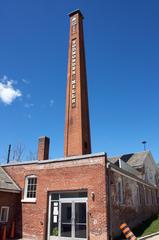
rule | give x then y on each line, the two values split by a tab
73	70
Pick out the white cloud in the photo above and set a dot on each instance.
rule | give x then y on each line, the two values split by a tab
7	91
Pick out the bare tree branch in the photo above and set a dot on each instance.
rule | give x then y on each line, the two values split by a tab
17	152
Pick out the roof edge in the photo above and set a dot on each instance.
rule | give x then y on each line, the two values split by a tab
73	158
123	171
9	190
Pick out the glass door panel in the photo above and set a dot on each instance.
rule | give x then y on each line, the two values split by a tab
80	220
54	219
66	219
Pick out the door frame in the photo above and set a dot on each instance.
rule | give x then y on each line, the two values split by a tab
67	200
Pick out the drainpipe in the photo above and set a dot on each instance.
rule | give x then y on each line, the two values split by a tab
109	196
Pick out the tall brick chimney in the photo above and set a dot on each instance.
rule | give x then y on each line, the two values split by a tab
77	129
43	148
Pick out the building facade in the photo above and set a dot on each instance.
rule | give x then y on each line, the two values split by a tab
10	202
82	196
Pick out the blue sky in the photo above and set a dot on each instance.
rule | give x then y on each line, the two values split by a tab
122	52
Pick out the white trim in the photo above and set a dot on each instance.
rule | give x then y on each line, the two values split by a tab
26	199
7	208
49	212
73	201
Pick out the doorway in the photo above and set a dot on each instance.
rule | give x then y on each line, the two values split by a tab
67	216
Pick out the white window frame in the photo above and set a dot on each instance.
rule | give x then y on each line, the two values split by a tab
7	214
26	199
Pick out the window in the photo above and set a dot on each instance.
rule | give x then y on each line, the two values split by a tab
138	195
120	191
30	187
4	214
148	196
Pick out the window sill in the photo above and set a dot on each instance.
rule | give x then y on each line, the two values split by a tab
28	200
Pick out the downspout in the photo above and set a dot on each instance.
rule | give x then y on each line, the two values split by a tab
109	201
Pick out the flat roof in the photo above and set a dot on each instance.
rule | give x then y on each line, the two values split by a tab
73	158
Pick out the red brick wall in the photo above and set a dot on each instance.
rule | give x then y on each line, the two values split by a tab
86	174
12	200
133	211
77	129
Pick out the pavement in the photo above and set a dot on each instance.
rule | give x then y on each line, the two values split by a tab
154	236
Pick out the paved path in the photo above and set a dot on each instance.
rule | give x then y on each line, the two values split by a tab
156	237
153	238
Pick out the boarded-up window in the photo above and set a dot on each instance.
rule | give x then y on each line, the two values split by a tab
4	214
120	194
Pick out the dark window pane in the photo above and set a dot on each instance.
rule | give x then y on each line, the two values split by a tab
55	196
80	212
80	220
66	230
66	215
80	231
66	212
73	194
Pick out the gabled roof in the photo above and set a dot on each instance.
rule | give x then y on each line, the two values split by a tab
133	159
6	183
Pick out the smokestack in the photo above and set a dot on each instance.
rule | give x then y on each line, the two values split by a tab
43	148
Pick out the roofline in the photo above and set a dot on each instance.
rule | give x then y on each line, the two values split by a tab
122	154
65	159
129	175
151	156
75	12
9	190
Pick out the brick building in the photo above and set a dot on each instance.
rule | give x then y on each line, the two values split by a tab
83	195
9	201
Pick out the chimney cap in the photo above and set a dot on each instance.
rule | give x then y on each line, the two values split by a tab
75	12
43	137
